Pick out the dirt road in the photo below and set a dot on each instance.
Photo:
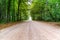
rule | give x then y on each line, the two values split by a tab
30	31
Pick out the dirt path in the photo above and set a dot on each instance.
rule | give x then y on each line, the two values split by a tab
30	31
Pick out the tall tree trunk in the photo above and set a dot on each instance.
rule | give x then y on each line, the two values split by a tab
0	16
8	10
18	14
13	14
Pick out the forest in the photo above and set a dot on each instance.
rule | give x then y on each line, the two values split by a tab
29	19
13	10
41	10
46	10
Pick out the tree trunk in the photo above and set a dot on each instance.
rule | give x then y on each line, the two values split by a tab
18	14
8	10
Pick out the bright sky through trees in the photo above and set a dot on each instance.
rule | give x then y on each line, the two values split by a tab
29	11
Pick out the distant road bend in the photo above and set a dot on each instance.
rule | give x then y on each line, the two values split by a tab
31	30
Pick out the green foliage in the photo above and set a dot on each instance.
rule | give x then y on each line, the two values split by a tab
46	10
13	10
17	10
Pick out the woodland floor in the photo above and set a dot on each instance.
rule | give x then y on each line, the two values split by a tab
31	30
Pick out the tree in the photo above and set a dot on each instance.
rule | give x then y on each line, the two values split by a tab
8	10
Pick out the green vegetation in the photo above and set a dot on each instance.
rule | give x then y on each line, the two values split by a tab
17	10
46	10
13	10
